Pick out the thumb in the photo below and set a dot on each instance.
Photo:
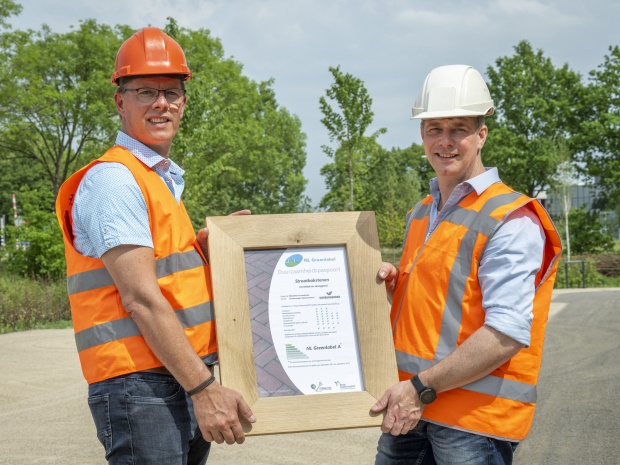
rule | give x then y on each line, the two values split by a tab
381	403
202	236
245	412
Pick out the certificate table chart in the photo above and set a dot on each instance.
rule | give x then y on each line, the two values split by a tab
327	318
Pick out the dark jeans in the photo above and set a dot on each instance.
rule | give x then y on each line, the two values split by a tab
146	419
429	444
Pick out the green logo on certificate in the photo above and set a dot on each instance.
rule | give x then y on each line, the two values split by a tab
293	260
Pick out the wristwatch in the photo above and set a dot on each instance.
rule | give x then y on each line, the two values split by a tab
427	394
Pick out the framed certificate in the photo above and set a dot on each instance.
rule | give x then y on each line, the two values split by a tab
302	321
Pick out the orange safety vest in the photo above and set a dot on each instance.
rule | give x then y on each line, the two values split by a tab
109	343
437	305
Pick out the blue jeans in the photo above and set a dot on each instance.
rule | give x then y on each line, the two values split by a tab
429	444
146	419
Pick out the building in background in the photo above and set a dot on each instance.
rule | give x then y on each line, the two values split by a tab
586	197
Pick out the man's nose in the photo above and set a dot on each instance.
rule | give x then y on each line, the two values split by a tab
446	138
161	100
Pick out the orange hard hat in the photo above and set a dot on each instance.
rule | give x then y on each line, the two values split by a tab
150	51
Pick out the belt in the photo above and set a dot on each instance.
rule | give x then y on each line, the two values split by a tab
164	371
158	370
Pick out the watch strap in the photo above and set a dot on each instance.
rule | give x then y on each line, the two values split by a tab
418	384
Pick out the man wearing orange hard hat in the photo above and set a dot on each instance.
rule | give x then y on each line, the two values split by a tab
138	281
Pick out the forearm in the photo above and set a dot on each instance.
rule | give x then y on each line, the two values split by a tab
484	351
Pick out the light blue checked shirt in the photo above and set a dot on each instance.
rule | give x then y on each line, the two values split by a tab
508	265
109	209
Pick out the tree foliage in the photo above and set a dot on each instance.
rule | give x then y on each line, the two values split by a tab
391	189
600	135
537	107
8	8
240	149
58	107
36	248
588	234
346	124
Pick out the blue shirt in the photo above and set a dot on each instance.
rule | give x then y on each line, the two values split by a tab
508	265
109	209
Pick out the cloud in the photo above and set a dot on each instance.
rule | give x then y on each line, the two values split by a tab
426	17
524	6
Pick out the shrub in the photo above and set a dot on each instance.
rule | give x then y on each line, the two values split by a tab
36	247
32	303
575	276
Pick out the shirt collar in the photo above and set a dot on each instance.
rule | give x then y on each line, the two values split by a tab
478	183
143	153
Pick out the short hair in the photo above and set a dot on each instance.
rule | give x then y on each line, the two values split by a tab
479	122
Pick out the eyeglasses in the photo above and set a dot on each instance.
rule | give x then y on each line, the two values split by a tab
150	95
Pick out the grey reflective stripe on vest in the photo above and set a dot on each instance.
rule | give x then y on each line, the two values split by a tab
452	312
489	385
484	224
418	213
476	223
125	327
95	279
176	262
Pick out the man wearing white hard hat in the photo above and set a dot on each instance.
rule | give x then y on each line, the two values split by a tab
470	297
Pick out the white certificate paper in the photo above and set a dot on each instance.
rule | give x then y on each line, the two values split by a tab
312	321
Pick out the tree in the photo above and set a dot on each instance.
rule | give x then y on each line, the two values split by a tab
564	180
346	125
589	235
537	105
239	148
391	188
41	253
600	136
58	108
8	8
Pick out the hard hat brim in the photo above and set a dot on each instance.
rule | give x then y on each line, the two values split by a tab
457	113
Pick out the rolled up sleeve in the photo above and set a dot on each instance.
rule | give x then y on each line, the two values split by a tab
507	274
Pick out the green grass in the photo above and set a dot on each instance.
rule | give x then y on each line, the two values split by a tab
27	303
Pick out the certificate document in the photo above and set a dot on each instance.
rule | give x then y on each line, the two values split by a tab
303	323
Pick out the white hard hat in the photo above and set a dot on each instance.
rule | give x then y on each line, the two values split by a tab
453	91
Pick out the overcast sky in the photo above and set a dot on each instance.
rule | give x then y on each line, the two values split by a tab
390	44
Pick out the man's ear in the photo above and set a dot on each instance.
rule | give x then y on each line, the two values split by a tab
118	100
483	132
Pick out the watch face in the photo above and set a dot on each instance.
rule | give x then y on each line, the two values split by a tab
427	396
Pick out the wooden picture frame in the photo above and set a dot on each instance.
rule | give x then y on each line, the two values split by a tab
229	238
